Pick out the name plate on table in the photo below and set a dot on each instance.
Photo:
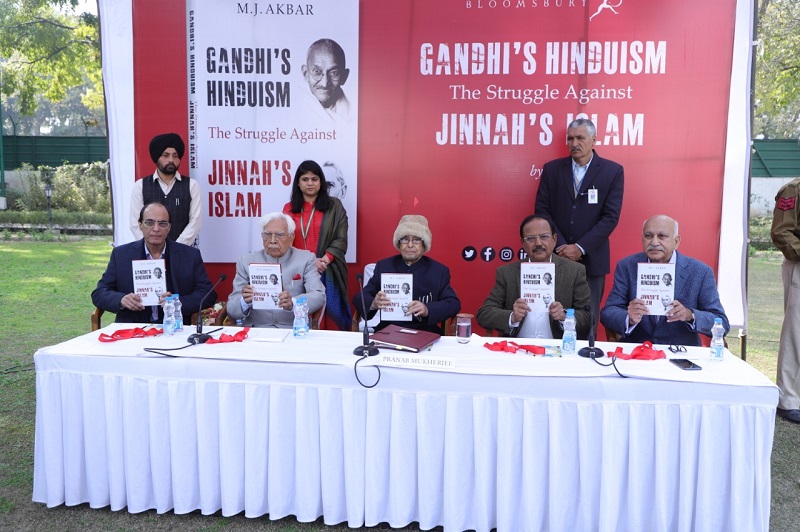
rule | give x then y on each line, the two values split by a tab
417	361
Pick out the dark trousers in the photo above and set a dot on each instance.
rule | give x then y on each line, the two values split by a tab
597	285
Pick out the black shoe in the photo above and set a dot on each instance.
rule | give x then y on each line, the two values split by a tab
790	415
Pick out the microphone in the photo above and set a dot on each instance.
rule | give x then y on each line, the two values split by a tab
368	349
199	337
591	351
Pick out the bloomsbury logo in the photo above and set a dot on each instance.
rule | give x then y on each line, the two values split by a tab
604	7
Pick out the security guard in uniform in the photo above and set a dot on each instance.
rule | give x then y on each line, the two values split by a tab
785	235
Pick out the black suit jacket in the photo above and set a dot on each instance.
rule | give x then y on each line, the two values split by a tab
577	221
431	281
185	272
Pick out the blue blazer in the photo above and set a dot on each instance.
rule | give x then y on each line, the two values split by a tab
185	272
577	221
695	288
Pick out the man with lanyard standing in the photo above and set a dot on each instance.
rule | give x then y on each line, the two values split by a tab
582	194
179	194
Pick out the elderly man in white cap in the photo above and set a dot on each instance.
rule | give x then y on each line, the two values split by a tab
434	300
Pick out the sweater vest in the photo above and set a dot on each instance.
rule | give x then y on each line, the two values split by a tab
177	202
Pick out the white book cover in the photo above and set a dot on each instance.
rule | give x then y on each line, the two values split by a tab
655	285
267	283
400	289
149	280
538	284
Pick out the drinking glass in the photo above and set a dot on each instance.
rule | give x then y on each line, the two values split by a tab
463	328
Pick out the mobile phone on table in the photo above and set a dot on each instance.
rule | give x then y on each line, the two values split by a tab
684	363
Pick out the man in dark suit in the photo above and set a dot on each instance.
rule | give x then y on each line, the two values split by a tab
505	311
696	301
185	273
582	194
434	300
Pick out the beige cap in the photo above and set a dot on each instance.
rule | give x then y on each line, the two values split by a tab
413	225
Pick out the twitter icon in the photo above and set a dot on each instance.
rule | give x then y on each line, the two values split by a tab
469	253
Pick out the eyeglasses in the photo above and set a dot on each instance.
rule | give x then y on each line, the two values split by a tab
278	236
530	239
333	75
677	348
150	223
413	240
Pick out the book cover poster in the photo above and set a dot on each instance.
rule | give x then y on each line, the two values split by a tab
538	284
149	280
267	283
400	289
655	285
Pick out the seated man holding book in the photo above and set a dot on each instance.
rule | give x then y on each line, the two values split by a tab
692	308
183	273
430	300
522	303
254	300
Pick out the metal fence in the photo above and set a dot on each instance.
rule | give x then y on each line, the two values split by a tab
52	151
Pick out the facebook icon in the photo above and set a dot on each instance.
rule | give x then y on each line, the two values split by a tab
487	253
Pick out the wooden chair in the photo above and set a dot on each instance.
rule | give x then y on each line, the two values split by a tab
95	318
612	336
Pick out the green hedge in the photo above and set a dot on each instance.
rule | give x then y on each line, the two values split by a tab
60	218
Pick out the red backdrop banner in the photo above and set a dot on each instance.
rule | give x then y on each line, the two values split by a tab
461	103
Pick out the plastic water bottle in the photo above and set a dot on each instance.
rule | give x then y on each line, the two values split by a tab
176	299
717	340
169	316
569	338
300	309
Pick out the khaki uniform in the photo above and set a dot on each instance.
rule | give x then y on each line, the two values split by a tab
785	235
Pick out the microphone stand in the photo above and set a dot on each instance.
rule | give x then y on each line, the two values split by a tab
367	349
199	337
591	351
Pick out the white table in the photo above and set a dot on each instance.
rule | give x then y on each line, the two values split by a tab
508	441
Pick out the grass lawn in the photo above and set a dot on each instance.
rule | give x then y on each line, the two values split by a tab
61	275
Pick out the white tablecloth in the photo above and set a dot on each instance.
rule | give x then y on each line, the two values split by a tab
504	441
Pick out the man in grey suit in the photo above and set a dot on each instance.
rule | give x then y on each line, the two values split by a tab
505	311
696	301
298	272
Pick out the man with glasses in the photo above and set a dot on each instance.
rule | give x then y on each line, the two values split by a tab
326	72
184	271
434	300
694	307
582	194
508	313
298	273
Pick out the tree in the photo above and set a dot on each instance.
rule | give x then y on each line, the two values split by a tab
777	90
46	49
